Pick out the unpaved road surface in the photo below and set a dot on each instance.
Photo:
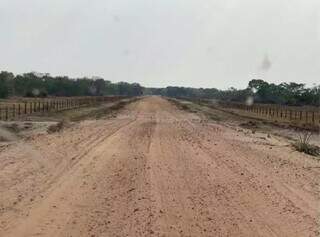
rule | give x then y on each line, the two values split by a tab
156	171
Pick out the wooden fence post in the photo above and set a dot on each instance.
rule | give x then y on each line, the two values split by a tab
307	116
313	117
14	110
300	115
7	113
290	115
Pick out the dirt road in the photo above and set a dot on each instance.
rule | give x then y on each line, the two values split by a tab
156	171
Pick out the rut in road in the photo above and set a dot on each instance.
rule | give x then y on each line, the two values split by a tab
157	171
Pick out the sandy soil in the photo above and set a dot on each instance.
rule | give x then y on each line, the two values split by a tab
156	171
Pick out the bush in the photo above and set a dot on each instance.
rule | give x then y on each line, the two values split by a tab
303	145
57	127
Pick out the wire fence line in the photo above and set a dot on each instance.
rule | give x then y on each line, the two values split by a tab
11	109
302	116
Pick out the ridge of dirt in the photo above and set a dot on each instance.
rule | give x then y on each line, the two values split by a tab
246	123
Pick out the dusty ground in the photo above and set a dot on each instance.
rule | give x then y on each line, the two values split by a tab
39	123
157	171
237	120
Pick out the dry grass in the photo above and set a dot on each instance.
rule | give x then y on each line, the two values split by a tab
303	145
182	105
86	113
58	127
100	111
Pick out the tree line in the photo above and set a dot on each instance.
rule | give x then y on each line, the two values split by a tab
43	84
296	94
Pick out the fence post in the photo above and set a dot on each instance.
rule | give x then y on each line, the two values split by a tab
285	113
14	110
313	117
7	112
307	116
290	115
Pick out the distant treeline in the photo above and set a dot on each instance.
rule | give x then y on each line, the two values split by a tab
258	90
43	85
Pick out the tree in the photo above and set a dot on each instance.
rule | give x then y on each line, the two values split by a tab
6	84
100	86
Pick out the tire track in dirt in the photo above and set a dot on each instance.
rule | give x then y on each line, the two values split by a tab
249	182
51	180
157	171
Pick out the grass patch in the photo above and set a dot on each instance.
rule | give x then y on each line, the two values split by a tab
186	106
214	117
303	145
91	112
194	107
58	127
249	125
104	111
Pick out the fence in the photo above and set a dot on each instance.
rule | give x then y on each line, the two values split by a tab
298	115
301	116
10	110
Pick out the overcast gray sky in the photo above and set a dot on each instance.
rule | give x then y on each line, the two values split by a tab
207	43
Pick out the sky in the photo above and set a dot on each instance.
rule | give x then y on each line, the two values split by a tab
207	43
